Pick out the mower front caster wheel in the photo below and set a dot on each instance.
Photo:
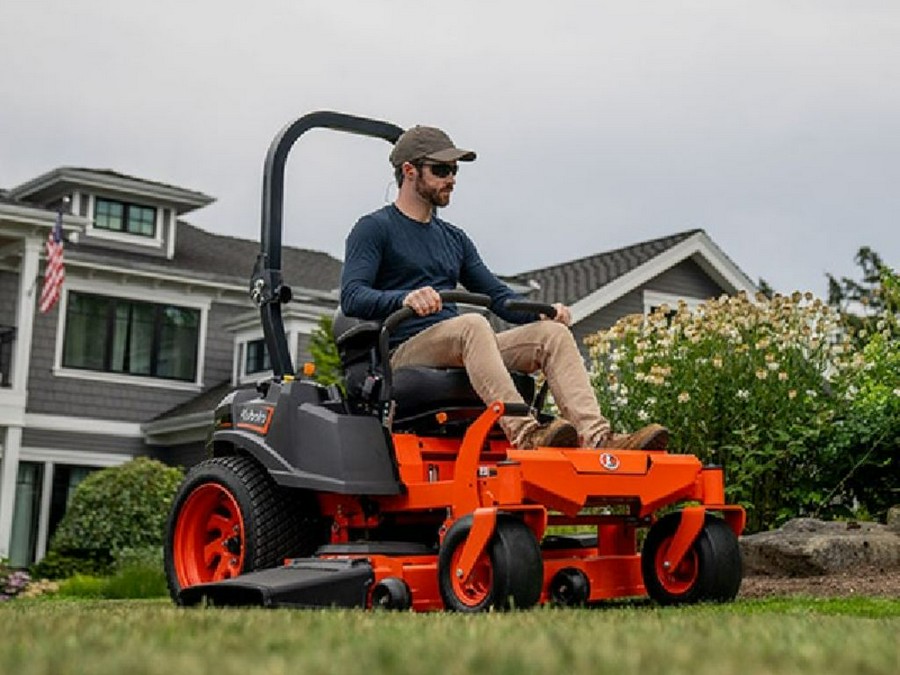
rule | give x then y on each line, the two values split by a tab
711	570
509	573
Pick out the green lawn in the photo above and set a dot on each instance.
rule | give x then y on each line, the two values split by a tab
58	637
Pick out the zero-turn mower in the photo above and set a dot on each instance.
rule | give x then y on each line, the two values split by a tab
399	490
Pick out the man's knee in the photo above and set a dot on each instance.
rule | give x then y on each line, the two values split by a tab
473	323
553	331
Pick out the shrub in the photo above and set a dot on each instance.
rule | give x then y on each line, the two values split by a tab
57	565
752	386
114	509
82	586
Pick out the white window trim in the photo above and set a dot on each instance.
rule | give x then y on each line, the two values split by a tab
294	328
124	237
655	299
96	287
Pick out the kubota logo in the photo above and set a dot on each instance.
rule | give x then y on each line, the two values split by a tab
609	461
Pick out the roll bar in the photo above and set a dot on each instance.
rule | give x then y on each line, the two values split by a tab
267	288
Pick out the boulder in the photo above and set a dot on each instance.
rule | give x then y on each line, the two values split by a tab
806	547
893	518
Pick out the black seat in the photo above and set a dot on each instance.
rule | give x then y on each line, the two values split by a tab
418	391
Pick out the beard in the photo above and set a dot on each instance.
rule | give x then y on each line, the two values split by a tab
436	196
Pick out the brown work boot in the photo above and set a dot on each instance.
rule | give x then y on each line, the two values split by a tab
555	434
650	437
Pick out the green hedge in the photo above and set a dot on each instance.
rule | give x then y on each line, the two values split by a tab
113	510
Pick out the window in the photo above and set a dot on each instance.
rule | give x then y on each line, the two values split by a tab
116	335
121	217
257	360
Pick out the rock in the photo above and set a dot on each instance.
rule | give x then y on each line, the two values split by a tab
893	518
809	547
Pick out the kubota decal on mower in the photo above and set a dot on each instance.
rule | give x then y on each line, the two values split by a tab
400	491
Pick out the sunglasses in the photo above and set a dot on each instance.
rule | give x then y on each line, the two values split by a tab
441	170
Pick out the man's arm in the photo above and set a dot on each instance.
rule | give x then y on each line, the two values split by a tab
362	259
476	277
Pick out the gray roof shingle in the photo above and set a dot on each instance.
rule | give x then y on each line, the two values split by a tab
216	257
571	281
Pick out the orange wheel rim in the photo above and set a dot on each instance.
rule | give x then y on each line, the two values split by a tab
209	537
682	577
475	590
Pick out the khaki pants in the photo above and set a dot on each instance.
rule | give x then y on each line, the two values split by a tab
469	341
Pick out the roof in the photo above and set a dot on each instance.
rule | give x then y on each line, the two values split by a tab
53	183
571	281
204	255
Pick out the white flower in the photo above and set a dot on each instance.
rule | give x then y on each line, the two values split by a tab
897	391
684	397
743	394
643	415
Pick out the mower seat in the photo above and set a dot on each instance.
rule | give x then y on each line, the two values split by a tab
418	391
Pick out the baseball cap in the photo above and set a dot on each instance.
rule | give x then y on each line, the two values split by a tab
420	142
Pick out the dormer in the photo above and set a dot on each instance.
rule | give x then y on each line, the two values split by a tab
124	213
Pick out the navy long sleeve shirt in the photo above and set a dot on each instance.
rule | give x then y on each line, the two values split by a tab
388	255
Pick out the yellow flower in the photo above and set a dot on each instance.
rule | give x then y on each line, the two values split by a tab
761	374
684	397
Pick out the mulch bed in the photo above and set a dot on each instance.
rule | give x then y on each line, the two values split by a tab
873	582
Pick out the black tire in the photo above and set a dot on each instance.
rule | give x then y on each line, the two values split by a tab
509	575
570	587
233	507
712	569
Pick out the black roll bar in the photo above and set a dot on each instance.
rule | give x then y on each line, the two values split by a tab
267	288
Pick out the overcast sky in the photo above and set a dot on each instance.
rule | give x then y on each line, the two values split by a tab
773	125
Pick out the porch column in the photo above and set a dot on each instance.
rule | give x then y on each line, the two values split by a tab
9	472
29	290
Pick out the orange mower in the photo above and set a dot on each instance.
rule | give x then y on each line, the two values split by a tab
399	490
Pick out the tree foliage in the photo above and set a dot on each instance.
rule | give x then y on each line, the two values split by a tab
324	352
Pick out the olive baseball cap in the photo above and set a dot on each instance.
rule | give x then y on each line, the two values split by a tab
418	143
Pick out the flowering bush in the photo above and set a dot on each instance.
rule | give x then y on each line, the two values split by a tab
12	582
752	385
861	460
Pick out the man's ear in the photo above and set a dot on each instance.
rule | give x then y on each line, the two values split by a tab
409	170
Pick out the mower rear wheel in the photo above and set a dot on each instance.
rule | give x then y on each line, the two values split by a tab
230	517
509	574
711	570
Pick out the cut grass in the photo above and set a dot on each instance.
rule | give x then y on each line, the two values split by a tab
153	637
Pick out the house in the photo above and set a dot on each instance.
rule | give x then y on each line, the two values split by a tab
155	325
154	316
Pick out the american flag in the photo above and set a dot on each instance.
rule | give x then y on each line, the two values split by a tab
56	271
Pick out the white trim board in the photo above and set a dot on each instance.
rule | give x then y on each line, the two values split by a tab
76	457
82	425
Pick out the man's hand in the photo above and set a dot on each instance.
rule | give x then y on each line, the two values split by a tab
423	301
563	315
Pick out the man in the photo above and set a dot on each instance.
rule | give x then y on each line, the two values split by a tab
403	254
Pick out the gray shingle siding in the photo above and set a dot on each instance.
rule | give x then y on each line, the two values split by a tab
9	290
123	402
219	344
185	456
102	443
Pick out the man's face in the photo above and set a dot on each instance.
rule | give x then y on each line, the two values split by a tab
434	182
